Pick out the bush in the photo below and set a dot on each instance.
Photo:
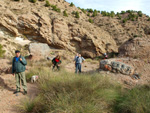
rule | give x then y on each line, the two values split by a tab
77	15
148	19
1	51
123	12
140	13
112	14
54	7
124	20
33	1
65	13
135	100
94	13
83	10
90	20
90	10
71	5
88	14
47	4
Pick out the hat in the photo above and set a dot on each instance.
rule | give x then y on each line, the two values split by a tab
17	51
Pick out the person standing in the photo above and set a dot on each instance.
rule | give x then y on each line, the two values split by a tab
18	69
78	63
56	62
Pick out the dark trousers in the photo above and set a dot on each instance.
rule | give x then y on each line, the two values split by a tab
78	68
56	65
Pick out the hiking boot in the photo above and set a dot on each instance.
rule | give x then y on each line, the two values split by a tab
25	93
15	92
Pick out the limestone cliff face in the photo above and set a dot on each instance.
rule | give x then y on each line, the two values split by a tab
42	24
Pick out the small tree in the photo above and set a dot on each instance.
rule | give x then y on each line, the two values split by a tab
90	20
1	51
77	15
123	12
71	5
88	14
140	13
94	13
33	1
124	20
47	4
65	13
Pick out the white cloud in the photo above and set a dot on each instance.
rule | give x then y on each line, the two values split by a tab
116	5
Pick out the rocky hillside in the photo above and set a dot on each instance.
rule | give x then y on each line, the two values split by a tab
64	26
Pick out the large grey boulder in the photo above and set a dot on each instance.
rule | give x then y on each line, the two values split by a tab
116	66
39	51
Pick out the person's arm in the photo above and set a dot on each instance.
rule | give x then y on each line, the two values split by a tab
13	66
83	59
23	61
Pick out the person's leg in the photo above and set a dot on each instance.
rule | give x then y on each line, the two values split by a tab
54	66
23	81
17	77
79	68
76	66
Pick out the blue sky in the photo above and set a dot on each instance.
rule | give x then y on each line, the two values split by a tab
114	5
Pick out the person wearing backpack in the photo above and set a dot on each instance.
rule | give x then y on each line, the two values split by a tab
18	69
78	63
56	62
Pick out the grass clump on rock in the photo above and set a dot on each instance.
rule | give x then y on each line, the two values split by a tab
90	20
54	7
1	51
71	5
65	13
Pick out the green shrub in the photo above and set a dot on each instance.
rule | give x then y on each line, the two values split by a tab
77	15
47	4
54	7
124	20
65	13
135	100
112	14
90	10
148	19
94	13
33	1
140	13
1	51
90	20
83	10
123	12
71	5
88	14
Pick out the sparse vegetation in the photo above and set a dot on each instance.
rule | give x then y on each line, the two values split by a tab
77	14
33	1
1	51
124	20
95	13
47	4
140	13
54	7
71	4
90	20
65	13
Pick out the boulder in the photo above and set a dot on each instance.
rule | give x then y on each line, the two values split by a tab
117	66
137	48
39	51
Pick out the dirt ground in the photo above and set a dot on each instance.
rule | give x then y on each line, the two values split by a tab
8	100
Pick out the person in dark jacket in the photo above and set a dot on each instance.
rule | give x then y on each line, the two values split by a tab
56	62
18	69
